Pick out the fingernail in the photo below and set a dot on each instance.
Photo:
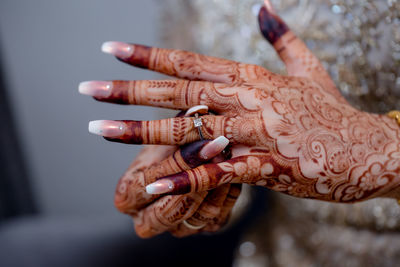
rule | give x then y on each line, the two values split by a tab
201	109
269	6
160	187
107	128
118	49
213	148
95	88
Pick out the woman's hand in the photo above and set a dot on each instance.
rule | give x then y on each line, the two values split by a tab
181	215
294	134
205	211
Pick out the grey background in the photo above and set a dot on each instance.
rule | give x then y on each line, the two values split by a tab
48	47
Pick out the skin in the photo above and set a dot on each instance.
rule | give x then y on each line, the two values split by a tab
209	209
294	134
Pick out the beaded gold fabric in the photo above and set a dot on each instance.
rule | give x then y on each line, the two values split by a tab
359	44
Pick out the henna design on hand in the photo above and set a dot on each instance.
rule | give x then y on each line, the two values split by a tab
211	213
131	195
152	163
294	134
299	60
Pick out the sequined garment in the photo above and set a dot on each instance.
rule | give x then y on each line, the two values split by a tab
359	44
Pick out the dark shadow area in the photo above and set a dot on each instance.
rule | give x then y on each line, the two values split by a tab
41	241
16	198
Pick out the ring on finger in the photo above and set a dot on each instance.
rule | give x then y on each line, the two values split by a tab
198	123
196	110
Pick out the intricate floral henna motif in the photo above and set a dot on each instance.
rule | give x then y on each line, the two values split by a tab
310	135
315	144
152	163
294	134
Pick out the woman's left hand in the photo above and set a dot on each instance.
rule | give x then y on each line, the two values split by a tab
294	134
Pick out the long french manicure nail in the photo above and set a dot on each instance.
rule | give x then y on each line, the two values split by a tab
213	148
96	88
107	128
160	187
118	49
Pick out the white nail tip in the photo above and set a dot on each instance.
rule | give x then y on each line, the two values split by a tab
213	148
84	88
151	189
118	49
107	128
160	187
95	127
108	47
222	141
95	88
201	109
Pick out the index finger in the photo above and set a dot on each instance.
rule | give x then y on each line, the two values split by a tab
184	64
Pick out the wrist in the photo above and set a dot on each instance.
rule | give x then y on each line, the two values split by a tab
379	174
394	193
391	120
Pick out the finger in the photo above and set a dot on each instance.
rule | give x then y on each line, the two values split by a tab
230	200
211	206
299	60
174	94
171	210
207	212
166	213
180	131
131	195
148	156
183	64
251	169
217	222
152	154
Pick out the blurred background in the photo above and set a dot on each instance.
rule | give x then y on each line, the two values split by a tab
47	49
